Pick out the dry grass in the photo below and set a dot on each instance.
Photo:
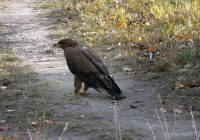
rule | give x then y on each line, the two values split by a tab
21	93
12	71
131	25
2	5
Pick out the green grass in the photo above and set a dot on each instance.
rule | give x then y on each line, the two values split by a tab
12	70
24	92
185	56
163	25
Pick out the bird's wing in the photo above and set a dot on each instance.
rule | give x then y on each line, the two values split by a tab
90	69
95	60
78	62
82	67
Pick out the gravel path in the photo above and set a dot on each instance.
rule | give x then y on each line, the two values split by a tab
92	117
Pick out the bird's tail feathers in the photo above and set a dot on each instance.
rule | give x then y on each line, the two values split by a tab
114	88
110	86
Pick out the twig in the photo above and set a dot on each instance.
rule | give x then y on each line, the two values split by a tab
165	122
150	127
64	129
164	117
117	123
161	124
29	134
195	128
115	118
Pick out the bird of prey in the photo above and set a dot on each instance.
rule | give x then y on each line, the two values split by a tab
88	68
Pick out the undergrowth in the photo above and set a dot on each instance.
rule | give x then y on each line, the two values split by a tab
131	26
22	96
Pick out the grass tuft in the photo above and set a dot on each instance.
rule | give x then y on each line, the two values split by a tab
185	56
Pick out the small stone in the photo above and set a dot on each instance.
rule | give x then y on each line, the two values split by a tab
82	116
4	87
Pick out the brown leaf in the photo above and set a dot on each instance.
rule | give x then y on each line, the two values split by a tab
177	111
179	86
150	50
126	69
33	123
48	122
188	84
131	72
192	84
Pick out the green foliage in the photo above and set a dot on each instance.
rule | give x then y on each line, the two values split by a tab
162	66
145	23
135	18
185	56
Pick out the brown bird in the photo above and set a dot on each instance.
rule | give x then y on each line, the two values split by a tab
88	68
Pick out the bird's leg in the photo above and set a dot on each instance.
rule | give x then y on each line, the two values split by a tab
84	93
85	89
77	85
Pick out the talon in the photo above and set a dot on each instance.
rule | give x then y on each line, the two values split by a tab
75	94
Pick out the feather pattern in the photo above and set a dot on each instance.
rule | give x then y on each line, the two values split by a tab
88	67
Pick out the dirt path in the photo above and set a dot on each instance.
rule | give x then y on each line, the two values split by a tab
92	117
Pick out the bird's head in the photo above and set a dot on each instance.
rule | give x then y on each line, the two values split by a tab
65	43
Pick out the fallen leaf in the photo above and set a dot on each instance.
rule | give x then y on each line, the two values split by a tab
126	69
33	123
181	38
150	50
4	128
133	106
48	122
177	111
192	84
131	73
179	86
120	26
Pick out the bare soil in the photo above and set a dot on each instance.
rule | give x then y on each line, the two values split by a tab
91	117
